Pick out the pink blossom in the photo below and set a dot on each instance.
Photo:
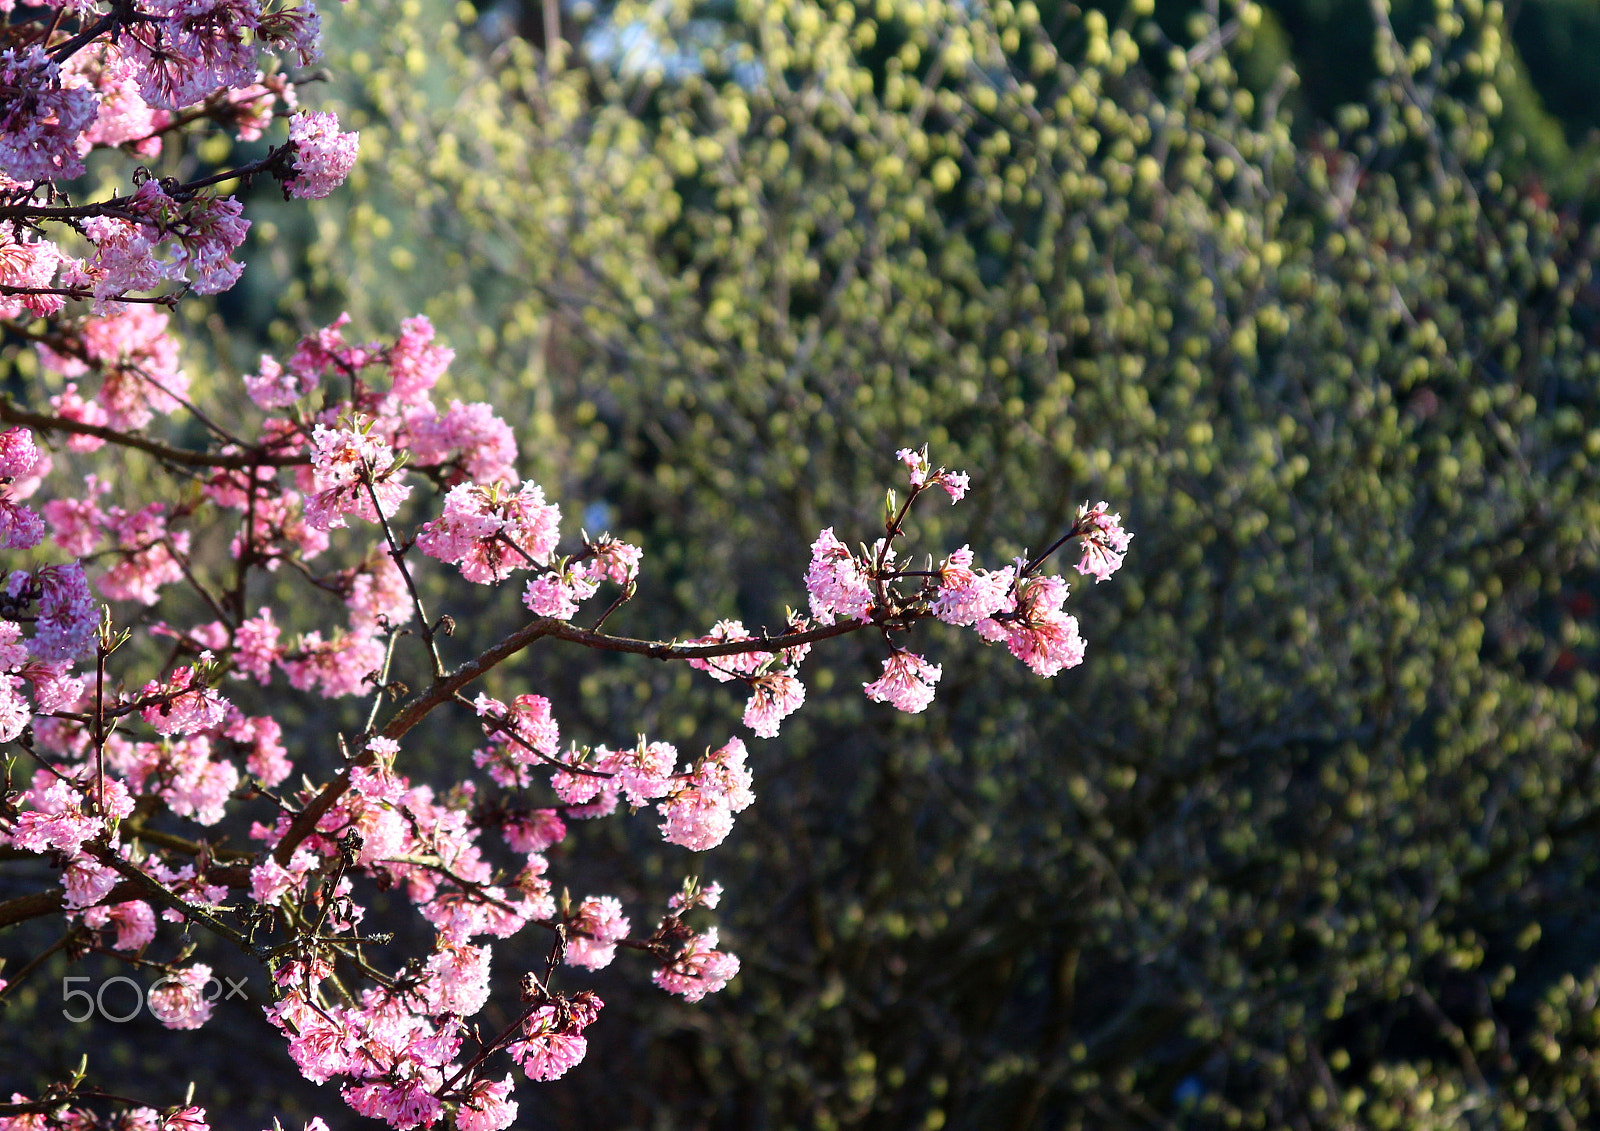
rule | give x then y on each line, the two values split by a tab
191	1118
193	48
135	923
322	1043
294	29
276	387
966	596
212	229
268	760
577	788
255	644
124	116
907	682
491	533
533	832
457	979
193	784
916	461
614	560
555	1041
70	406
835	582
270	881
402	1104
18	453
773	697
199	233
692	895
15	713
1037	631
56	821
326	353
378	593
415	363
87	882
179	1000
187	704
68	614
1105	543
140	362
557	594
336	667
593	931
55	688
27	262
488	1107
124	259
249	111
698	814
21	528
148	555
471	435
641	773
323	157
349	467
699	969
40	120
735	666
535	731
77	524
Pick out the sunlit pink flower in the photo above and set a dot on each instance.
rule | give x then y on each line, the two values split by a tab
323	156
148	554
698	814
28	262
966	596
773	697
593	931
179	1000
557	594
255	644
700	968
835	581
1036	630
470	435
191	49
336	667
457	979
415	363
488	1108
40	120
349	468
555	1041
916	461
907	682
1105	543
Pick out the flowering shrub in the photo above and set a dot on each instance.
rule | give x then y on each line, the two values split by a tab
347	476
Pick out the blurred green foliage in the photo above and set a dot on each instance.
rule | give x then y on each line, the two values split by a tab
1309	839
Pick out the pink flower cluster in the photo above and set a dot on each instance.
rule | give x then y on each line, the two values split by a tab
922	477
699	969
491	533
1105	543
75	85
698	812
323	157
